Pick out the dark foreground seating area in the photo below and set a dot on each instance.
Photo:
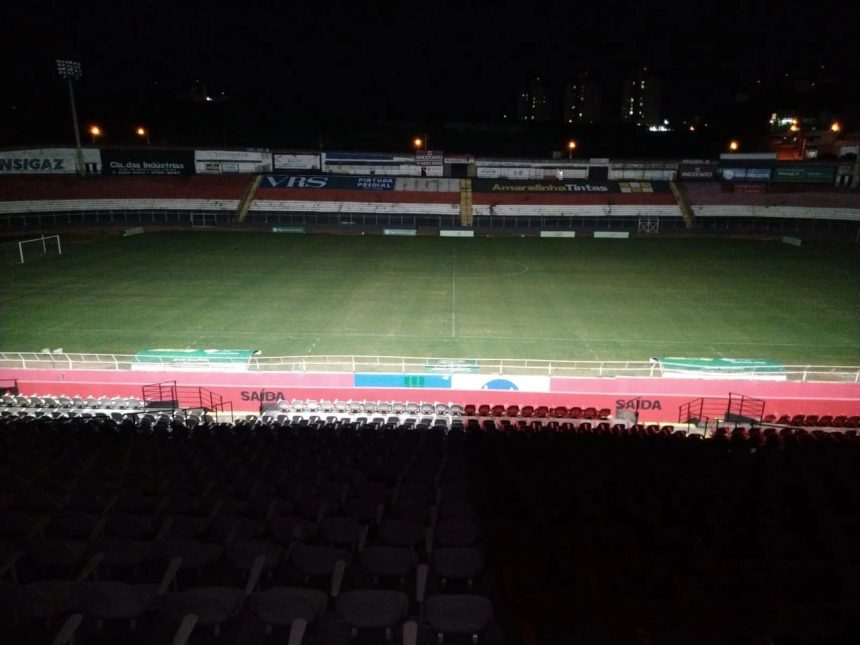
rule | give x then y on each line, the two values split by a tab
154	530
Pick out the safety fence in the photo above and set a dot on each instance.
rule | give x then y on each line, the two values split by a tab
412	365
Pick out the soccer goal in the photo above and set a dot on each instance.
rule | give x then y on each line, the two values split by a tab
39	246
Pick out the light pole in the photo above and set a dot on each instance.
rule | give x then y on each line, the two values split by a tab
571	146
71	71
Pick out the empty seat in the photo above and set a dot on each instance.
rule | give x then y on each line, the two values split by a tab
458	614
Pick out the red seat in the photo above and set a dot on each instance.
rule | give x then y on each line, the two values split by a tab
810	420
604	413
826	421
542	411
839	421
574	413
783	420
852	422
770	418
797	420
511	411
469	410
483	410
590	413
558	412
527	411
498	410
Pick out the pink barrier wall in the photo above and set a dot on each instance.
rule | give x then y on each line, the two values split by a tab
659	399
190	187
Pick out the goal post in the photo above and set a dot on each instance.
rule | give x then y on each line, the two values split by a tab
43	244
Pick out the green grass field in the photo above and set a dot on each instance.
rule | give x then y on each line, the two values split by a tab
485	297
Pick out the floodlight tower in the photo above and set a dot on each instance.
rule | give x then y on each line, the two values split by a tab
71	71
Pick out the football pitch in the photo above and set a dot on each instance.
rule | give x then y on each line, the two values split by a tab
582	299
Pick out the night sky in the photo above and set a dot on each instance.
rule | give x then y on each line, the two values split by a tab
284	66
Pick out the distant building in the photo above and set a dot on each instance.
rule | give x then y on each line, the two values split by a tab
640	99
534	104
582	101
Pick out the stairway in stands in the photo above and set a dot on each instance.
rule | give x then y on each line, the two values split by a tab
248	198
466	213
683	204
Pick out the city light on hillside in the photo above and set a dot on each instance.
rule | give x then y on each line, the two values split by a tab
734	145
836	127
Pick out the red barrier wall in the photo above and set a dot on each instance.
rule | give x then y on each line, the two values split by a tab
659	398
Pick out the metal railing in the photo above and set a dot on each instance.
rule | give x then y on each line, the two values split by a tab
407	365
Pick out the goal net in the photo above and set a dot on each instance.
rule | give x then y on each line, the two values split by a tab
39	246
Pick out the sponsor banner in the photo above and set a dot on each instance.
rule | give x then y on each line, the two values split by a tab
793	241
697	172
400	231
147	162
500	382
288	229
805	174
224	360
296	162
452	365
745	174
621	235
720	368
365	158
432	381
568	186
429	158
748	156
368	182
558	233
540	173
49	161
450	233
449	159
238	156
231	161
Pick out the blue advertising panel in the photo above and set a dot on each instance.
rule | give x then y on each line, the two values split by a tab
435	381
331	182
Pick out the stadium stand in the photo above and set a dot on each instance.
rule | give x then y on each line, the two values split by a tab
351	530
57	200
716	207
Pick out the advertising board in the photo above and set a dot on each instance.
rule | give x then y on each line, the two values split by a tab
48	161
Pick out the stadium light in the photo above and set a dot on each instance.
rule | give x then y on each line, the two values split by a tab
95	132
70	70
418	142
571	146
836	127
734	145
142	132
